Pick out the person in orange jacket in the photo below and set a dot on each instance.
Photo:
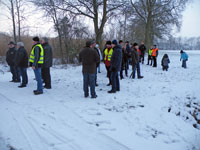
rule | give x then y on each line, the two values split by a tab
155	55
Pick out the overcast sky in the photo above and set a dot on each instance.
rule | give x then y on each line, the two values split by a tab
190	23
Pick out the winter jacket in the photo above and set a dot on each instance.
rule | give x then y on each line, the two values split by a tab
97	50
10	56
22	58
48	56
134	56
128	50
124	56
184	56
142	49
116	58
165	62
89	58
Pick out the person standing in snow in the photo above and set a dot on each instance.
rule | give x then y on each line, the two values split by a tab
135	62
107	58
115	66
100	57
165	62
36	61
150	56
128	51
124	61
22	63
48	56
155	55
10	59
142	49
96	47
184	58
89	58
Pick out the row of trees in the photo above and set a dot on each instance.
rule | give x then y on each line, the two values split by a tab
135	20
178	43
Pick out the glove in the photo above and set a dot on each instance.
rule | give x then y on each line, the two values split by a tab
113	69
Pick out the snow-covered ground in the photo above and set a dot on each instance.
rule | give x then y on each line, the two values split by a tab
159	112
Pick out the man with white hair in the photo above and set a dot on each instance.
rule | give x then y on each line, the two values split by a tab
22	63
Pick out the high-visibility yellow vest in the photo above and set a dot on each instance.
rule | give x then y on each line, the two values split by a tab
32	56
108	55
150	52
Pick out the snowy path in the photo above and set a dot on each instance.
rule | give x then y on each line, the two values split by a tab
151	113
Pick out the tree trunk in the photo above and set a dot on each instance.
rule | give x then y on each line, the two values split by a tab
13	20
19	21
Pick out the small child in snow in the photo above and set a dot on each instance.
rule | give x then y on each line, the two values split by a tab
165	62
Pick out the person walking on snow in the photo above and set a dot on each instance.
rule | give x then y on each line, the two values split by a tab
36	61
89	58
48	56
150	56
184	58
135	62
22	63
115	66
165	62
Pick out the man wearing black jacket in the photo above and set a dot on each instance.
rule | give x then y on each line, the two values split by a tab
142	48
10	59
115	66
48	56
22	63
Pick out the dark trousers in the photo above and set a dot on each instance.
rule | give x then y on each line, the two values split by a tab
38	77
23	73
115	81
142	58
108	73
89	81
15	73
124	67
46	76
149	59
134	68
184	64
154	61
165	68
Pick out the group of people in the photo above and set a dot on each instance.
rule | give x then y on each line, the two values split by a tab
40	60
117	56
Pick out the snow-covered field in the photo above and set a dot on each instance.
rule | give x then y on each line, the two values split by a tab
159	112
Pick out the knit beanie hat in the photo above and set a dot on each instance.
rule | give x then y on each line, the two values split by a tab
36	39
108	43
135	44
114	42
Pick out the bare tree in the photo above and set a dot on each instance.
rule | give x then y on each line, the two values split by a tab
16	11
158	17
97	10
48	6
